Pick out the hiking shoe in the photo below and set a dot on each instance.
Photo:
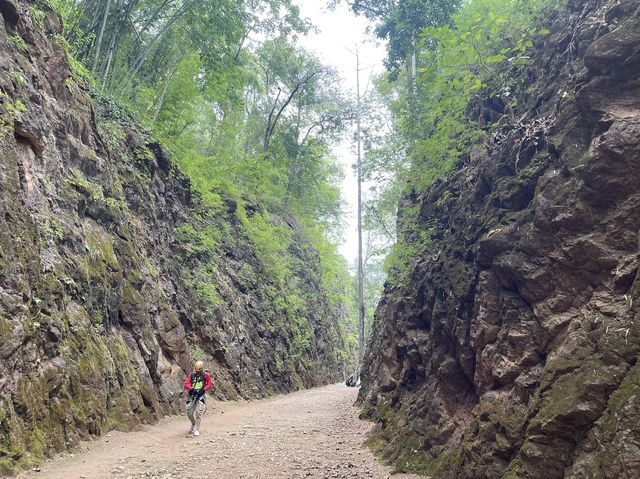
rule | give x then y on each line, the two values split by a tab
195	432
190	430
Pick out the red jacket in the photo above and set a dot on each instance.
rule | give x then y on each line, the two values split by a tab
208	383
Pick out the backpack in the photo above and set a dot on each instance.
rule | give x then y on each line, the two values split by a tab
198	379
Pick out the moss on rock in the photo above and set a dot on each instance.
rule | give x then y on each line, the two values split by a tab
615	429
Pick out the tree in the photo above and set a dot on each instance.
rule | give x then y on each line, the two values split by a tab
400	23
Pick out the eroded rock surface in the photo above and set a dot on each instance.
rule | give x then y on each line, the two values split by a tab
511	348
107	291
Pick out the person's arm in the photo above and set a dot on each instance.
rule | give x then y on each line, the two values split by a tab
187	383
208	383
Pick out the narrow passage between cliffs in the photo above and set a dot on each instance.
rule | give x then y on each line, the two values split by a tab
307	434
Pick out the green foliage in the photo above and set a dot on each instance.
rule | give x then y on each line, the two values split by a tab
95	191
271	243
247	121
50	228
79	73
419	129
481	53
18	43
400	23
206	286
38	15
71	13
414	242
14	109
17	79
112	133
116	203
205	240
89	188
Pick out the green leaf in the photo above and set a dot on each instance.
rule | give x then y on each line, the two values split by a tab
477	85
496	59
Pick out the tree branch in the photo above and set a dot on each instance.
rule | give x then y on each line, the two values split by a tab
272	126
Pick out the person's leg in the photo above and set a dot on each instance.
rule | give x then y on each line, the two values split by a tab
199	409
191	412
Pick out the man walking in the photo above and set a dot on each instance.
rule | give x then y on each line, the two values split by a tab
198	383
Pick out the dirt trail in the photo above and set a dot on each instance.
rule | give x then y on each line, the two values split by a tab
308	434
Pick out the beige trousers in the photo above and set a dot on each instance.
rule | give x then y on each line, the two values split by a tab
195	410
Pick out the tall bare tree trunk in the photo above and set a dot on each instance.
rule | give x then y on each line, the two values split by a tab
96	55
153	17
121	6
160	102
107	67
145	53
360	258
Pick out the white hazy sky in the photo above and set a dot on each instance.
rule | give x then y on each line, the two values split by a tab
339	31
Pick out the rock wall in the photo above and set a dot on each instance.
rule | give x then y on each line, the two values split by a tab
110	285
510	349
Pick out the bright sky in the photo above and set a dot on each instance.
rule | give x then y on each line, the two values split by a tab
340	31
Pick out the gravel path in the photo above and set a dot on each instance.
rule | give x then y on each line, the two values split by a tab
308	434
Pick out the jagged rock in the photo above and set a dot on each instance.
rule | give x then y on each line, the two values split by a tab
617	48
528	363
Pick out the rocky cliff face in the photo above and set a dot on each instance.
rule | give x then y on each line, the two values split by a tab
511	348
110	281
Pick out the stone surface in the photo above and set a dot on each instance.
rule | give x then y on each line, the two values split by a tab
510	349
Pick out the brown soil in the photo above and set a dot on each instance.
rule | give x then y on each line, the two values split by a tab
314	433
